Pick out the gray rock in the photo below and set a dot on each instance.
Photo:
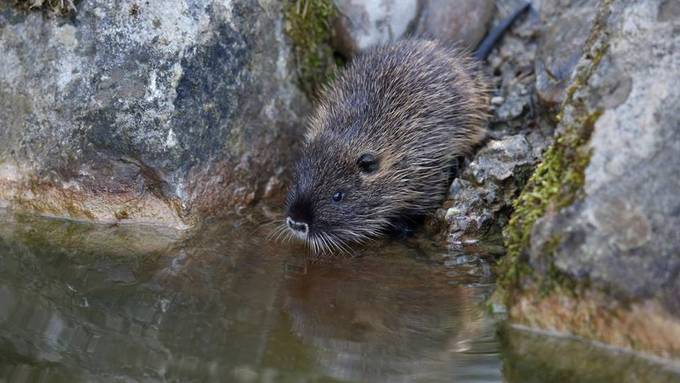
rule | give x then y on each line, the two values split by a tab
152	112
464	21
610	252
518	101
365	23
482	196
624	236
480	199
512	63
566	26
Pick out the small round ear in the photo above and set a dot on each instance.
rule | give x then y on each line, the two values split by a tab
368	163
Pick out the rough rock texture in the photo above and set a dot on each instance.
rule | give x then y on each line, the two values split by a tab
594	243
480	199
154	111
482	196
566	26
364	23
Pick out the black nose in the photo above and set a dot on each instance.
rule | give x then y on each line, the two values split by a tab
301	211
300	227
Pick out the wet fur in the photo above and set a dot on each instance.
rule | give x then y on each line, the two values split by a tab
415	104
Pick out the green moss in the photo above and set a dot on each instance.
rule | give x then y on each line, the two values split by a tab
558	180
556	183
309	26
59	6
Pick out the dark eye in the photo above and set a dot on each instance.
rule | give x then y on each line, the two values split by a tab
337	197
368	163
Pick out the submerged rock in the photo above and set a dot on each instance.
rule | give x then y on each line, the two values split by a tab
150	112
595	239
533	357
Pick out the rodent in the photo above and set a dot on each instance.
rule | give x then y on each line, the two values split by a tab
382	141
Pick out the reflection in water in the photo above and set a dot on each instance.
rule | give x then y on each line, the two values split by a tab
383	318
533	358
81	302
88	303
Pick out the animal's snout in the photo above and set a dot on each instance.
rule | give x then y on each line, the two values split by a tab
300	215
300	227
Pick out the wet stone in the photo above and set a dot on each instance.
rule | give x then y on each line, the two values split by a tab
529	352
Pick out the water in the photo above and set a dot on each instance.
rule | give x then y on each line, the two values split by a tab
82	303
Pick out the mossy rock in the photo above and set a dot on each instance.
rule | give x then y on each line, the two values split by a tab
309	24
558	180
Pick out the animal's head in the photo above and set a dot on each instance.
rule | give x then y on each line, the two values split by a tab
340	193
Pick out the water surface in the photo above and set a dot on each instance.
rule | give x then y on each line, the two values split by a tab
81	303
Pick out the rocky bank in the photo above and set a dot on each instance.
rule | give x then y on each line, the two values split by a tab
168	112
580	171
594	240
